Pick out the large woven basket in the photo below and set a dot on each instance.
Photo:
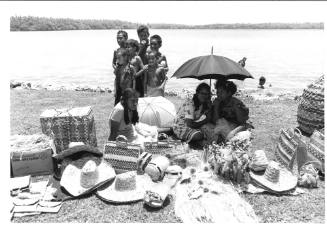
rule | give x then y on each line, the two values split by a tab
69	125
310	115
287	143
316	146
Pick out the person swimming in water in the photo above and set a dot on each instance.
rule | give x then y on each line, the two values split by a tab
262	82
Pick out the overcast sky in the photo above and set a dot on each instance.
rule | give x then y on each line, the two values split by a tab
177	12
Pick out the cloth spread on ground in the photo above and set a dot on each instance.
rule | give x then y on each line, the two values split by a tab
205	199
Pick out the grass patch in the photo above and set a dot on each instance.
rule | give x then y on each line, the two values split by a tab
267	117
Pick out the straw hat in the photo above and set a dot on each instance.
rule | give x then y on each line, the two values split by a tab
275	179
259	161
127	187
86	174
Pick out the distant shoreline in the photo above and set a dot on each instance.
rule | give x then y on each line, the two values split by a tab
31	23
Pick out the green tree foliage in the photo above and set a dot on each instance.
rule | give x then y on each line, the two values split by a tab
30	23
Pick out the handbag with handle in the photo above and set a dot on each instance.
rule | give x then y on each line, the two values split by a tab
287	143
316	148
122	156
161	147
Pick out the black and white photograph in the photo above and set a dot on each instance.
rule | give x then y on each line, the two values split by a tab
165	111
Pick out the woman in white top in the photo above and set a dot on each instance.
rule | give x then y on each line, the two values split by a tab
124	120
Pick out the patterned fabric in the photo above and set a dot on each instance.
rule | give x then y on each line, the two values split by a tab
186	111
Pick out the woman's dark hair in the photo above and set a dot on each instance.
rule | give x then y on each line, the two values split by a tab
229	86
133	43
143	28
196	101
129	93
158	38
124	33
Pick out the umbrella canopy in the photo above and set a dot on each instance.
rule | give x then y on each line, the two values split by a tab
156	111
212	67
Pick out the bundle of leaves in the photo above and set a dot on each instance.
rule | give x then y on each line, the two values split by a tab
231	160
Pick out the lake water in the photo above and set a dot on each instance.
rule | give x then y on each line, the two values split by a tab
289	59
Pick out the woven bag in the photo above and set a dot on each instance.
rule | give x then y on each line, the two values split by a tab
69	125
122	156
286	146
310	114
316	145
161	147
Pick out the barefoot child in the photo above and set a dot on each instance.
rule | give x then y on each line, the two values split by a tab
125	74
155	44
136	62
155	77
143	34
122	36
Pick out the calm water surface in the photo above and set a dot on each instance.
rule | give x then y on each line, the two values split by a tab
289	59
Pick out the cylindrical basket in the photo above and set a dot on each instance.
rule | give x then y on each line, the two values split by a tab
310	115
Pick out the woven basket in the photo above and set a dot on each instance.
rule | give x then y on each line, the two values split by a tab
160	147
122	156
310	115
316	146
287	144
69	125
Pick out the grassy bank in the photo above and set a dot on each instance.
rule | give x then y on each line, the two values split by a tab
268	117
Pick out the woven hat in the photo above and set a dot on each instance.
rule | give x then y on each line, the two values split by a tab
259	161
83	175
275	179
127	187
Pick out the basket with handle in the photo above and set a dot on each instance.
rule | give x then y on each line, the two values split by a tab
69	125
286	145
316	146
161	147
122	155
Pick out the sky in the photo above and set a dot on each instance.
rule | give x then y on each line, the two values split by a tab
191	13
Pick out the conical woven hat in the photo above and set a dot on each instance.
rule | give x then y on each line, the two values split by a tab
275	178
127	187
74	181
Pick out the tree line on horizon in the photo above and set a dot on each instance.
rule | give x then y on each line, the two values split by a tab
31	23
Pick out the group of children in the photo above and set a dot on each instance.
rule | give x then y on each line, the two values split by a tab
139	65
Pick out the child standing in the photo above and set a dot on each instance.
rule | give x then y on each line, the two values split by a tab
122	37
125	74
155	44
155	77
143	34
136	62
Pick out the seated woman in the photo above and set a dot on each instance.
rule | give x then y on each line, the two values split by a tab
193	114
229	113
124	120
